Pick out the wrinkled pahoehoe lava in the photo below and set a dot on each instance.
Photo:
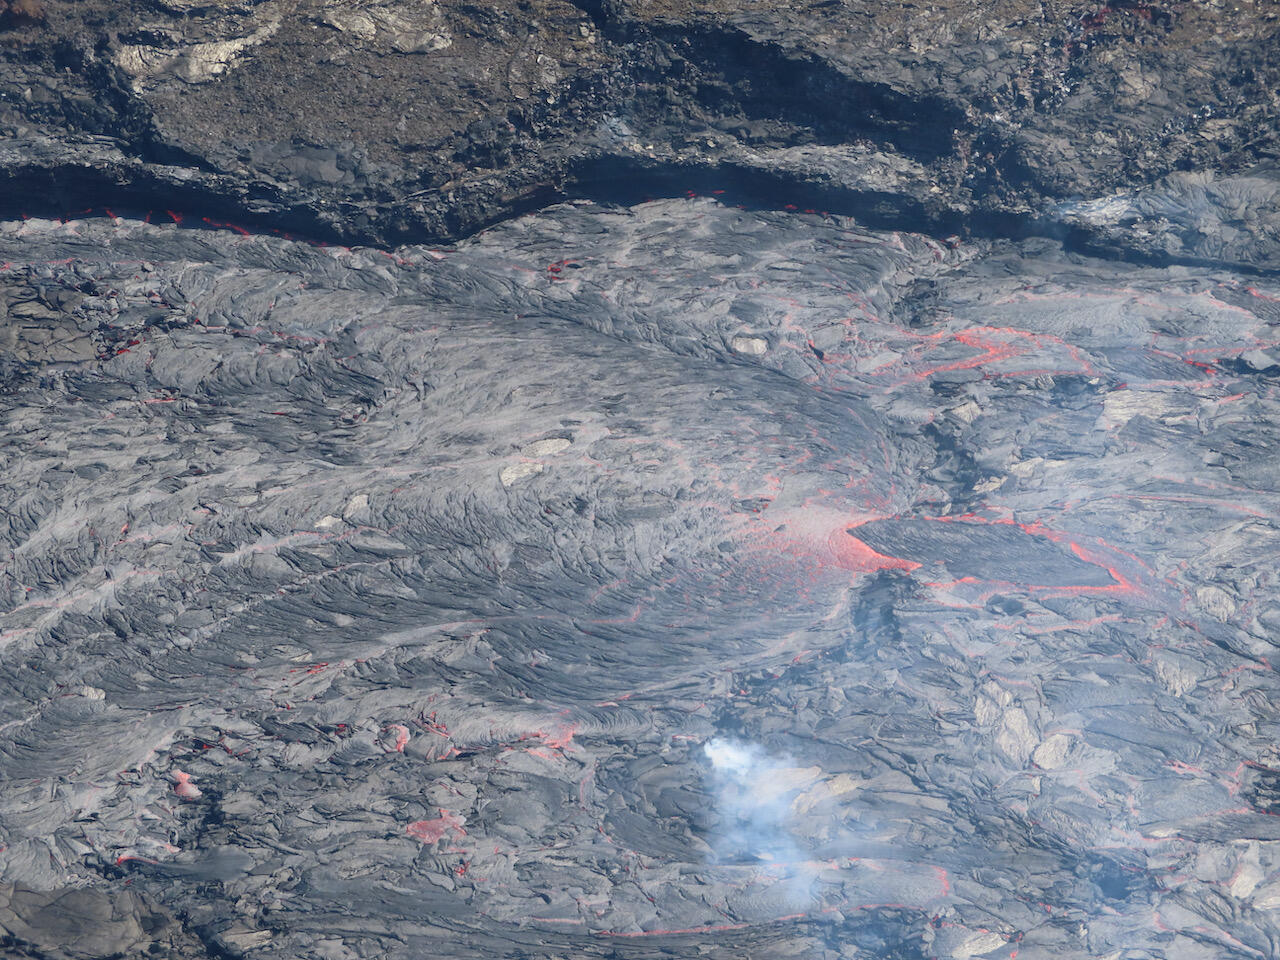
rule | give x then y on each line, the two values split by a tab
639	480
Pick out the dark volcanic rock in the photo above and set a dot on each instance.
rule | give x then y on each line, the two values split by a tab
88	923
427	119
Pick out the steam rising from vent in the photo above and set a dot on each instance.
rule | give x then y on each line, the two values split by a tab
753	793
735	760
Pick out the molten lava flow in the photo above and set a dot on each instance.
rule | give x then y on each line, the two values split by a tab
431	831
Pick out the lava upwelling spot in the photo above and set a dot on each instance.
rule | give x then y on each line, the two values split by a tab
1002	552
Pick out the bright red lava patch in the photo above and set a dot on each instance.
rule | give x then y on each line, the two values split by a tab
184	787
431	831
821	540
852	554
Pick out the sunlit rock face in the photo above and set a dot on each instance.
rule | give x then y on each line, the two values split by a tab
667	580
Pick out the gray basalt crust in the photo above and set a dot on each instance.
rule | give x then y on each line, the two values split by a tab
494	600
416	543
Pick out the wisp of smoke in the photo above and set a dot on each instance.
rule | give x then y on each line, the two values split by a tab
753	800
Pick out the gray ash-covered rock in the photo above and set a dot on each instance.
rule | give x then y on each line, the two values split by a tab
635	582
870	555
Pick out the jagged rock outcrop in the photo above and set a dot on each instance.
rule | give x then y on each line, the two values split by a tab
427	119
